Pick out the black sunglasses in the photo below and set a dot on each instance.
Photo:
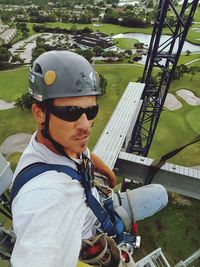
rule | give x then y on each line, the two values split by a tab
73	113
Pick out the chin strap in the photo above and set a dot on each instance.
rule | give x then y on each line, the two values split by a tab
57	146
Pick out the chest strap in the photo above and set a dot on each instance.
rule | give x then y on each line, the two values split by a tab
110	222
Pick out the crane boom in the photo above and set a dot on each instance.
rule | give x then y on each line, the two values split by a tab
162	59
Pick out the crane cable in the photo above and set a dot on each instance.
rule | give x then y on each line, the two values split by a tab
157	164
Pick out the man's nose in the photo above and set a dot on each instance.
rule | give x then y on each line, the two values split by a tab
83	122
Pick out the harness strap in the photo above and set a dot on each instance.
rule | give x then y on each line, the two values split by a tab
36	169
157	164
110	224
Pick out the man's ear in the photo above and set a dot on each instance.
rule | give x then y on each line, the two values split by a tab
39	115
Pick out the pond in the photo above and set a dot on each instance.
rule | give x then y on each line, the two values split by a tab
123	3
146	38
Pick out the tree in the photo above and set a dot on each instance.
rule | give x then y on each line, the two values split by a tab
52	17
88	54
37	52
5	17
74	18
131	19
17	59
111	17
65	17
85	17
128	52
73	29
33	12
21	26
112	2
120	56
96	11
181	70
103	84
25	101
175	75
150	4
139	45
40	19
86	30
97	50
137	57
101	4
187	52
193	70
5	55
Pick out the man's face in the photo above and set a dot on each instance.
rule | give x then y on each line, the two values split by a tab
73	136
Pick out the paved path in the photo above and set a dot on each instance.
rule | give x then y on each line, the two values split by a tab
192	61
16	69
14	143
120	64
6	105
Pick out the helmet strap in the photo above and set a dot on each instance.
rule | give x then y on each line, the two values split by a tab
56	145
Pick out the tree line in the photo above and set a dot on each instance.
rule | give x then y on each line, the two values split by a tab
64	3
73	30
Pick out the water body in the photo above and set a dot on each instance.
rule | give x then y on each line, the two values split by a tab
125	2
146	38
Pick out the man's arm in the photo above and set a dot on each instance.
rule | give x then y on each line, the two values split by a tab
103	168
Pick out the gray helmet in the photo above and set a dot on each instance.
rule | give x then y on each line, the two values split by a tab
57	74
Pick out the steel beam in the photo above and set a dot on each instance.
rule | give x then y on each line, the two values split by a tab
175	178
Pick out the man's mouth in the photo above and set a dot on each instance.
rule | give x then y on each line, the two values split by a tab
81	138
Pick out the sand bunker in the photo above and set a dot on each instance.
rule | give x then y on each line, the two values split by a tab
171	102
15	143
189	97
6	105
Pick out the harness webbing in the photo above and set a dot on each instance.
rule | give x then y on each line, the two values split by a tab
157	164
36	169
110	224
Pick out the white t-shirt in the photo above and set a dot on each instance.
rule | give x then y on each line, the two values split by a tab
50	214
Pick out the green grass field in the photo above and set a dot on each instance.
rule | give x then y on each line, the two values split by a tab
125	43
15	121
175	129
197	14
110	29
175	229
185	59
13	84
180	126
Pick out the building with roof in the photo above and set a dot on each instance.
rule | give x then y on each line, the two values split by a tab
3	28
90	40
7	35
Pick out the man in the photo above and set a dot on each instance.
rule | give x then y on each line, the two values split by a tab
50	212
50	215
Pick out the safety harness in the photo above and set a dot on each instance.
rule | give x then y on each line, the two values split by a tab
108	218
